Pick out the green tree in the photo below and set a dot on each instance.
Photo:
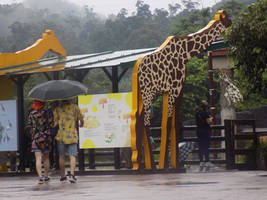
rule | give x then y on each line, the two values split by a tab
196	20
248	40
232	7
174	8
143	10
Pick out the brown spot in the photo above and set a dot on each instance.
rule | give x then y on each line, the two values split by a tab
181	64
168	57
168	50
197	46
160	73
155	69
193	53
173	75
151	58
172	48
171	67
179	75
184	46
146	81
161	66
203	40
209	38
190	45
144	67
166	63
168	72
174	61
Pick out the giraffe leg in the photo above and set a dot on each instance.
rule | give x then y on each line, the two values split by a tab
164	134
137	130
175	127
149	160
136	119
173	142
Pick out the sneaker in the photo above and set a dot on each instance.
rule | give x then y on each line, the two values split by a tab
208	165
63	179
201	166
72	179
46	179
41	180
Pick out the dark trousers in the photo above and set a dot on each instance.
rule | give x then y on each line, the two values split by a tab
203	135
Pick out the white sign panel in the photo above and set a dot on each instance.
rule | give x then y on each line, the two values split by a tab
106	120
8	126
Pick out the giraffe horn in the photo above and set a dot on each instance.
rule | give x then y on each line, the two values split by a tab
221	14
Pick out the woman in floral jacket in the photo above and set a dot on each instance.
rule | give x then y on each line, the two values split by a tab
40	122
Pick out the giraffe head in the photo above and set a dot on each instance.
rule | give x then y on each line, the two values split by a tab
221	15
53	43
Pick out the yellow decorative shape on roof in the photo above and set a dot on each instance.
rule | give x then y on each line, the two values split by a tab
48	42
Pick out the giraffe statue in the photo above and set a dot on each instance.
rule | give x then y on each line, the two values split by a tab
163	72
232	93
48	42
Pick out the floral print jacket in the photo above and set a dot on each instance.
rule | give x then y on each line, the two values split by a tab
40	123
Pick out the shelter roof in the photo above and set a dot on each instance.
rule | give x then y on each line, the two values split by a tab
124	58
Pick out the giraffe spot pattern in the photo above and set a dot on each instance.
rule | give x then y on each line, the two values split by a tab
164	70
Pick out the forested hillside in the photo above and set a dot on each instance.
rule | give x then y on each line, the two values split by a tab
83	31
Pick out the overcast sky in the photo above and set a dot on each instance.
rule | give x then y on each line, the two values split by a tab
106	7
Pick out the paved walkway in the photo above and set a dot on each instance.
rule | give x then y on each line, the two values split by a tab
219	185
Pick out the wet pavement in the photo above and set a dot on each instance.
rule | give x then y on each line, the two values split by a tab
214	185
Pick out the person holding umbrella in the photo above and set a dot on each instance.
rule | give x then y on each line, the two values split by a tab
40	122
66	116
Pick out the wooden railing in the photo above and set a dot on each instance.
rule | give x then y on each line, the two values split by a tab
230	141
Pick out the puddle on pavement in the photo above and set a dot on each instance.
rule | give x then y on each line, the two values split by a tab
254	188
179	183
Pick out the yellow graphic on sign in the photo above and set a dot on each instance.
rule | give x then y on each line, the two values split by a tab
94	108
116	96
87	144
85	99
128	99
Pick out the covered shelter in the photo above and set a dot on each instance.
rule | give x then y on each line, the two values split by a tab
15	70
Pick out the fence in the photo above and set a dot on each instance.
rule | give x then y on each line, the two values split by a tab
228	144
233	145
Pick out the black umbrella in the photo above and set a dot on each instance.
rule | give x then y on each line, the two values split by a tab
57	90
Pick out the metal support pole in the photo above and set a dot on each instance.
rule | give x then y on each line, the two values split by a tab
91	158
229	144
211	87
20	106
115	89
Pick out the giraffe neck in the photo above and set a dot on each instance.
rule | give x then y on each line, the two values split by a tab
201	40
